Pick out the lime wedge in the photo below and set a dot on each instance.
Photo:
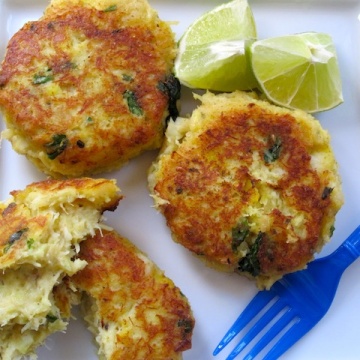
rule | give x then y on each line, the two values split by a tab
213	50
298	71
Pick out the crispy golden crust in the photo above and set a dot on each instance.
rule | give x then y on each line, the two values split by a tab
30	213
262	181
102	194
82	89
137	312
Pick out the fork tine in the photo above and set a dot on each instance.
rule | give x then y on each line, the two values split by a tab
255	305
296	332
271	333
258	326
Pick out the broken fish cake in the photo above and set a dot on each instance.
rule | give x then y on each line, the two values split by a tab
88	86
133	309
40	231
248	186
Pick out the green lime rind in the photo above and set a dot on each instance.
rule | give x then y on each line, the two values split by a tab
213	52
298	71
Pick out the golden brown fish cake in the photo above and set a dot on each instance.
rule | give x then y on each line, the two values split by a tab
88	86
134	310
40	231
248	186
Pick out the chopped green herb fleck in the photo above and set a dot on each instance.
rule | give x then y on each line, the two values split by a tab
17	235
332	229
14	237
132	103
6	248
239	234
186	324
110	8
30	243
42	79
56	146
250	263
51	318
172	88
273	153
326	193
89	120
80	144
127	77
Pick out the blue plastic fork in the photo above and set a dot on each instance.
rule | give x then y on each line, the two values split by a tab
297	302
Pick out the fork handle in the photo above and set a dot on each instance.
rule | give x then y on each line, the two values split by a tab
348	251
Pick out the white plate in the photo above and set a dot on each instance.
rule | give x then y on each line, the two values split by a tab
218	298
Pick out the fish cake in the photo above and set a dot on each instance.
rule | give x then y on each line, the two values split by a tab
248	186
133	309
40	231
88	86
